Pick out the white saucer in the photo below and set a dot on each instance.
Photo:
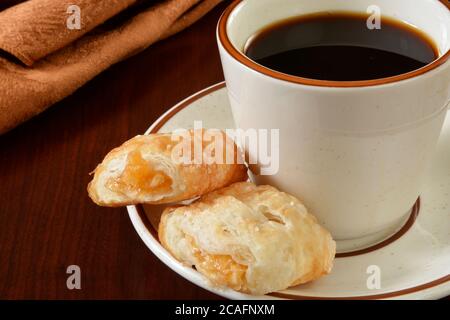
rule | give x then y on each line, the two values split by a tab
413	264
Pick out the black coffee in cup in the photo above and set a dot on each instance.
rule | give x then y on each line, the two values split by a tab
341	47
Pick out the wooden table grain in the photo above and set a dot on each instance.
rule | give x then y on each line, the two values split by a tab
47	221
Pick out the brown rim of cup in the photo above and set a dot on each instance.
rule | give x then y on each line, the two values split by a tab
242	58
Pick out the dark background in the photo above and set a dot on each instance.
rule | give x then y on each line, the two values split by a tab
47	221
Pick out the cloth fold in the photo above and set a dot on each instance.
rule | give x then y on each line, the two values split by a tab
33	29
55	61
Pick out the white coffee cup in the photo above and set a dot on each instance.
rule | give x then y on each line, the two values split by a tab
354	152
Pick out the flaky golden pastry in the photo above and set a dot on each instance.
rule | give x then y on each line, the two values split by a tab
253	239
143	169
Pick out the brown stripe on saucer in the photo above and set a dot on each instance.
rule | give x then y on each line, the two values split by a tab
393	294
412	218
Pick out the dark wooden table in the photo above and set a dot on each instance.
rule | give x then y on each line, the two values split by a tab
47	221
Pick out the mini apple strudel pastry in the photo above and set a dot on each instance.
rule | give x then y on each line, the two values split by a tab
157	169
253	239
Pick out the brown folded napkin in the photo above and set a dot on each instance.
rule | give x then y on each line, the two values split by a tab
43	61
